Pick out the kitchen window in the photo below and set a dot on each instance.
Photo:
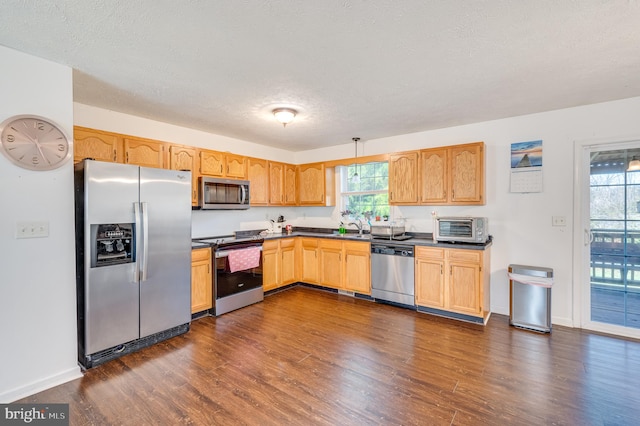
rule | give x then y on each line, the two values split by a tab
369	191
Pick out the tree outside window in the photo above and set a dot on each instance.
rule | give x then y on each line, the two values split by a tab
368	195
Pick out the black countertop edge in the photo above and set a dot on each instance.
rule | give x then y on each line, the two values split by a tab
197	244
419	238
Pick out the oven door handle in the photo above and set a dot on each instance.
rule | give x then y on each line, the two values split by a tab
225	253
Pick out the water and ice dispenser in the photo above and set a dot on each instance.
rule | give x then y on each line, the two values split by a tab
112	244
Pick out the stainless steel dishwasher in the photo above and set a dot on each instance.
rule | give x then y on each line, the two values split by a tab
392	273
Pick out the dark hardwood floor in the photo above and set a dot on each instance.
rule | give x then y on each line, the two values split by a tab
309	357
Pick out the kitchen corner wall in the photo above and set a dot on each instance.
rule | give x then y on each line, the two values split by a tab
519	223
37	275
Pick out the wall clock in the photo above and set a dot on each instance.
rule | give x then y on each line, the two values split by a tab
34	142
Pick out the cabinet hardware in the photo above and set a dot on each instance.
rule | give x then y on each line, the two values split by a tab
114	155
127	156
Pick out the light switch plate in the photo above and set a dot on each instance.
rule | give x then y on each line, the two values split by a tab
32	230
559	221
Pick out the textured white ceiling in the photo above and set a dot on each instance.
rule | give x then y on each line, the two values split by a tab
352	68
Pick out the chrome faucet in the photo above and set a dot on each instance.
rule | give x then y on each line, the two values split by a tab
357	225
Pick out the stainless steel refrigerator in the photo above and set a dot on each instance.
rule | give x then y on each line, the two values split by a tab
133	244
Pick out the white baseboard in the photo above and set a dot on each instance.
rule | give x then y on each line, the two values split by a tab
566	322
40	385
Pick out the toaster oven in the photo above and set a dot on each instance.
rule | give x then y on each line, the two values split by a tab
462	229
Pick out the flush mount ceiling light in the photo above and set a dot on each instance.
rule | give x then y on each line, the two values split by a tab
356	177
284	115
634	165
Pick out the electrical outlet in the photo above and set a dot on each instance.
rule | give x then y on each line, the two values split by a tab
32	230
558	221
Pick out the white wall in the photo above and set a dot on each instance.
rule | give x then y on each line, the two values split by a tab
37	276
520	223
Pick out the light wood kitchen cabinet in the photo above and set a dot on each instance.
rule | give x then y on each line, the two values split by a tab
403	178
236	166
309	258
258	174
101	146
357	267
211	163
201	280
279	263
453	175
454	280
434	172
288	261
276	183
185	158
467	173
145	153
290	185
312	184
330	264
270	264
430	282
222	164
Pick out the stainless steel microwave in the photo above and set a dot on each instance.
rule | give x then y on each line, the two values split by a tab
223	194
462	229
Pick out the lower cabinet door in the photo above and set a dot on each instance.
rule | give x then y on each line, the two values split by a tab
430	283
201	280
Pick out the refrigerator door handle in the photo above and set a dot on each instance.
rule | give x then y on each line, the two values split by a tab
145	241
136	214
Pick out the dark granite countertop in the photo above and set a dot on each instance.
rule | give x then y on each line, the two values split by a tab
419	238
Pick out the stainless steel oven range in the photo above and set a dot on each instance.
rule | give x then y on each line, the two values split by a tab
235	288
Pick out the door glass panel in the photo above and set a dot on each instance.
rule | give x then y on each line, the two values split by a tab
615	231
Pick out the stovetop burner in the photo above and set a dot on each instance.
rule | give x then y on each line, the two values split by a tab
240	237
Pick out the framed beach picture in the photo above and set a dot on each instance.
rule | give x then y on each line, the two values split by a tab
526	167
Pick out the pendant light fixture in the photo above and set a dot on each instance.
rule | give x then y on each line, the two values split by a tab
356	177
634	164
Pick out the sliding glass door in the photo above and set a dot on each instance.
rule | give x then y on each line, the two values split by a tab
613	297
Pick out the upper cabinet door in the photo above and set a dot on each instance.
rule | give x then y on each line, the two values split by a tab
211	163
93	144
434	173
184	158
276	183
311	184
403	178
144	153
467	173
236	166
258	174
290	185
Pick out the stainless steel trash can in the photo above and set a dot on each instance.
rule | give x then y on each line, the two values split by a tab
530	297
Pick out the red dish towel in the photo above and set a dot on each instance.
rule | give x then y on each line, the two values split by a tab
242	259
